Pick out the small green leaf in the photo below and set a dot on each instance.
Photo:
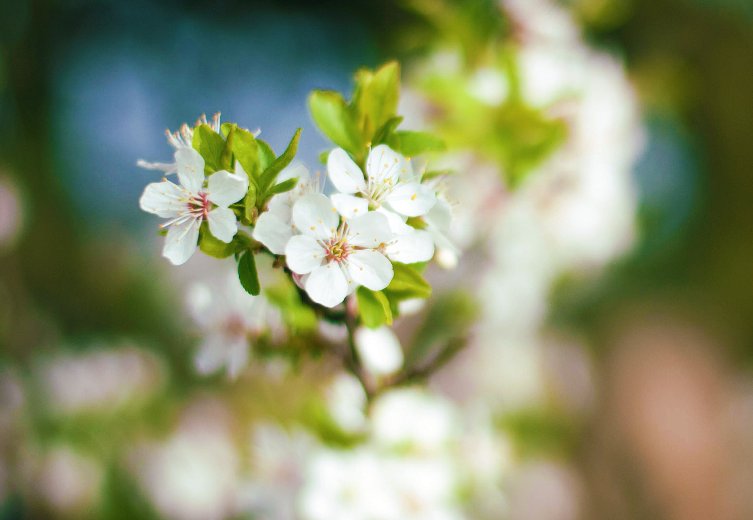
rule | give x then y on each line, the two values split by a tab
214	246
335	120
433	174
266	155
407	283
226	159
411	143
323	156
374	307
383	134
376	96
270	174
246	150
284	186
210	145
247	273
249	205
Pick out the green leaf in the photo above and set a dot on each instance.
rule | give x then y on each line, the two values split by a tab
411	143
247	273
214	246
270	174
249	205
295	313
246	150
266	154
210	145
376	96
374	307
383	134
433	174
407	283
335	120
226	159
284	186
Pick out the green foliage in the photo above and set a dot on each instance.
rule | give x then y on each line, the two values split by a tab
375	97
211	146
335	120
267	178
374	307
247	273
407	283
296	315
411	143
213	246
369	118
284	186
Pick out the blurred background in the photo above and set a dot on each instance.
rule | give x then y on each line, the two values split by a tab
619	347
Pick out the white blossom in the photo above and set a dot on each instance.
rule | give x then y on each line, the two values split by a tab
389	183
190	203
337	257
229	319
379	349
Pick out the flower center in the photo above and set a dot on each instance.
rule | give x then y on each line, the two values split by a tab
337	249
198	205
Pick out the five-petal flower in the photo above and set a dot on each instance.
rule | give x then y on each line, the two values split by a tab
190	203
389	184
337	257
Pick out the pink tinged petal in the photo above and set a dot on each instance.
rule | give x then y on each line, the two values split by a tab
315	215
164	199
369	230
180	242
349	206
344	173
327	285
273	232
409	248
190	165
370	269
385	165
411	199
222	224
224	188
303	254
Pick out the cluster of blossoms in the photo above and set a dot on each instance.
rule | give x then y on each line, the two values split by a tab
335	244
331	244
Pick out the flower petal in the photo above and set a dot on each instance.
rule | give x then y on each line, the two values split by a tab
344	173
411	199
440	216
327	285
315	215
190	166
370	269
273	232
385	165
224	188
180	242
222	224
396	221
409	248
164	198
349	206
369	230
379	349
303	254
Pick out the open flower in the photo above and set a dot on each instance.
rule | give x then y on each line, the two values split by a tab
190	203
337	257
389	183
229	320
